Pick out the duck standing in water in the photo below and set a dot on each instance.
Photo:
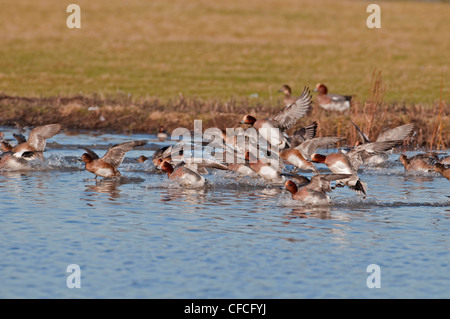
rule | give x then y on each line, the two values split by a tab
419	162
162	134
332	102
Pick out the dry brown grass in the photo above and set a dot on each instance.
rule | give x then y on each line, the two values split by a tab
127	115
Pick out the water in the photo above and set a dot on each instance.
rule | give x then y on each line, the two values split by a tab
144	237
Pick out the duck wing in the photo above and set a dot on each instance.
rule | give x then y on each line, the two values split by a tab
39	135
116	153
90	152
361	134
303	134
359	154
309	147
397	133
290	114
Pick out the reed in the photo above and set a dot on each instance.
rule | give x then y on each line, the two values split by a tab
438	125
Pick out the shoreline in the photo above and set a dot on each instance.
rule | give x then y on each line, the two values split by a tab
122	114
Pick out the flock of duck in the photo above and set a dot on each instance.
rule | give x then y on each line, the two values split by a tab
269	162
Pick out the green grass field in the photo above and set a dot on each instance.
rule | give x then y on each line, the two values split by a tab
223	49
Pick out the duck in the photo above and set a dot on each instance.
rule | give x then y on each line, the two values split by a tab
314	191
397	133
242	169
16	161
442	169
238	164
300	156
419	162
339	163
164	153
268	170
303	134
349	163
162	134
332	102
272	128
362	154
36	142
183	175
107	166
141	159
288	99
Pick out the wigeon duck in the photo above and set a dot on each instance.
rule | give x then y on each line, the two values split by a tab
338	163
162	134
283	120
141	159
242	169
303	134
183	175
164	153
293	157
16	161
397	133
443	170
362	153
332	102
37	138
288	99
300	156
267	170
419	162
107	166
239	165
314	191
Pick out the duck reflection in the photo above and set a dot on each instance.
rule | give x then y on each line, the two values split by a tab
195	196
105	186
321	212
110	186
417	182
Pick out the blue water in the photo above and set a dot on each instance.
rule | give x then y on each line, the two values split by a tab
145	237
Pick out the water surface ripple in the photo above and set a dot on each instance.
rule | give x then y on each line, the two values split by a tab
145	237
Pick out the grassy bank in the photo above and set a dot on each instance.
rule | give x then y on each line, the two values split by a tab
221	49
